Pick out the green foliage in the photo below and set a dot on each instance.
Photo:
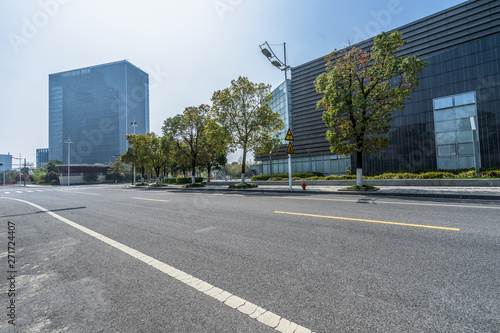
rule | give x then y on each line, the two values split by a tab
170	180
491	173
51	177
296	175
185	180
116	171
38	174
340	177
243	185
360	92
90	177
361	188
243	109
391	175
141	184
437	175
187	131
195	185
50	166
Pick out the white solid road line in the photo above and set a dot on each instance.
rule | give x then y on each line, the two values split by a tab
267	318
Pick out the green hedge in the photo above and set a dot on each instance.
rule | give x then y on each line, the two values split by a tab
280	176
186	180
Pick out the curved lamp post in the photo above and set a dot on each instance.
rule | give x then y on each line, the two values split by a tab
68	142
276	62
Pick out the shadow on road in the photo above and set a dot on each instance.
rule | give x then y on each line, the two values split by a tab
38	212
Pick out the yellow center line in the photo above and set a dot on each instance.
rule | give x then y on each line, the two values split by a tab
80	192
150	199
372	221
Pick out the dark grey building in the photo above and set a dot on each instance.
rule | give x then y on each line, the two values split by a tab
94	107
461	80
42	156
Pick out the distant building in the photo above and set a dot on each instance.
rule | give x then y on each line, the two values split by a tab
453	117
94	107
6	160
42	156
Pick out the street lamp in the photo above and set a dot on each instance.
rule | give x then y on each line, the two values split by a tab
134	125
3	174
276	62
68	142
310	161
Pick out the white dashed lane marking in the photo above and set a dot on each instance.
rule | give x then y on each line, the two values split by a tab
252	310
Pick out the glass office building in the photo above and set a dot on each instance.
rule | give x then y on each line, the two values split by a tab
42	156
452	120
94	107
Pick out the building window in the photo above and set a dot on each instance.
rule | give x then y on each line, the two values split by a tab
453	129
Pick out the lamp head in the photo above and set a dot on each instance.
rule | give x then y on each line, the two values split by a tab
266	53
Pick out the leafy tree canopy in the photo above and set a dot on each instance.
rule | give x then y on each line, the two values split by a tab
243	109
361	90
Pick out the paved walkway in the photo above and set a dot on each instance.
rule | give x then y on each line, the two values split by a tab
487	193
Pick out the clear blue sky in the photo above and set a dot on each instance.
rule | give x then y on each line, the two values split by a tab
190	48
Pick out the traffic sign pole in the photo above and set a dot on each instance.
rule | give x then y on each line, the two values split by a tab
289	151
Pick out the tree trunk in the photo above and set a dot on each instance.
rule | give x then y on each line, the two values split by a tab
270	166
359	168
193	173
243	166
209	169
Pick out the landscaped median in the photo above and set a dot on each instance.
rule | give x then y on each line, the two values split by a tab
462	178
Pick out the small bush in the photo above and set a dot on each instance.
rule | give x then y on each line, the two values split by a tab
195	185
282	176
54	181
491	173
41	181
340	177
467	174
437	175
141	184
243	185
186	180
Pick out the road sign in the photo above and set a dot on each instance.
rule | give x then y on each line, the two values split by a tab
289	150
289	136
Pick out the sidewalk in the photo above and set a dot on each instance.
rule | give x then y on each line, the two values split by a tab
456	192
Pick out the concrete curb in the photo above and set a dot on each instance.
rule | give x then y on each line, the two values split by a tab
221	188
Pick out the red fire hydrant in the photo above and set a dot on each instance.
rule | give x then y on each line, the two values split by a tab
304	186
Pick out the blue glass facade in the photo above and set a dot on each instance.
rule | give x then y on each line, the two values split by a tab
42	156
6	161
281	105
94	107
461	46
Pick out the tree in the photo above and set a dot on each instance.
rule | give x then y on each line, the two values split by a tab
158	151
51	165
187	130
136	154
117	170
243	109
270	146
214	156
38	174
361	90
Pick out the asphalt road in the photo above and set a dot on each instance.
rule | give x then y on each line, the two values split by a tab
113	259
